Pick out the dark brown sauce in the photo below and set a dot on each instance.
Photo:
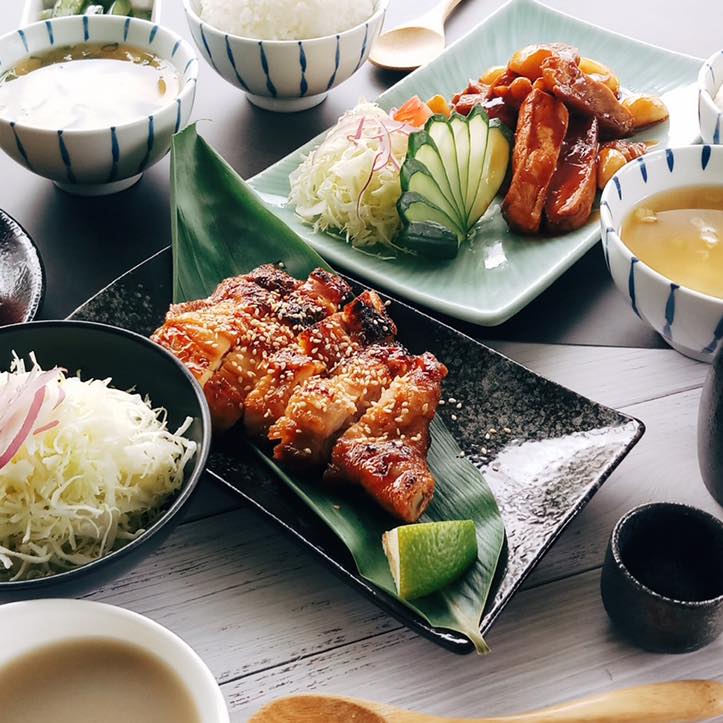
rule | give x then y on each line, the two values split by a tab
11	311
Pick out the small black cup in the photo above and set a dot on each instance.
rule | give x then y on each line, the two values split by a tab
710	429
662	581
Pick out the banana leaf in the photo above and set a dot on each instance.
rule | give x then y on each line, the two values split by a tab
221	228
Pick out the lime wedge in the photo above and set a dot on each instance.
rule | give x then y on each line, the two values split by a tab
426	557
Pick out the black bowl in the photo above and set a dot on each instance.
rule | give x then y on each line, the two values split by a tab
131	361
662	581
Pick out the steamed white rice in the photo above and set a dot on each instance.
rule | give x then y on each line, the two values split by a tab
285	19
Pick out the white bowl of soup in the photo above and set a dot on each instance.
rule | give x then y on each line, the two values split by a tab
75	660
91	102
662	236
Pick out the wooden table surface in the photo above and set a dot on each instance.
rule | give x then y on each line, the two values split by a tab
269	618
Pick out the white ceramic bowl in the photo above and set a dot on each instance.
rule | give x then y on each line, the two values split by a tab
104	160
285	75
691	322
27	626
710	116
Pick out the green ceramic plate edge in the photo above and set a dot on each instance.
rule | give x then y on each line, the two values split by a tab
471	287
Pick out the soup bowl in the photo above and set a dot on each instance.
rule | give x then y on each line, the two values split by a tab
32	625
691	322
285	75
104	160
710	116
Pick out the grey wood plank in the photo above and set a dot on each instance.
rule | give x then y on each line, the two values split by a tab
553	643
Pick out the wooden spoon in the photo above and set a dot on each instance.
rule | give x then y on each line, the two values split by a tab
416	43
677	701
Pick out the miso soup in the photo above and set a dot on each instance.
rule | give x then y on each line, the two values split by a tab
679	234
94	679
87	86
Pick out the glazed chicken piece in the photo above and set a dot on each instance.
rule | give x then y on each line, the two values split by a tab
541	128
385	452
586	96
572	189
362	322
321	409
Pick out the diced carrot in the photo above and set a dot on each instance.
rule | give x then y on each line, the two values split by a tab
438	104
415	112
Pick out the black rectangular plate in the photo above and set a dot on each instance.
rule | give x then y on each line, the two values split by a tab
559	449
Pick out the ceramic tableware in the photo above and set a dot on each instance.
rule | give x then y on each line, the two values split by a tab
285	75
132	361
30	625
691	322
710	429
22	279
548	452
710	115
103	160
662	580
499	273
33	8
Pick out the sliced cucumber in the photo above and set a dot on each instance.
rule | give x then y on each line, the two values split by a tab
478	124
497	157
453	170
423	149
415	177
461	134
439	129
429	239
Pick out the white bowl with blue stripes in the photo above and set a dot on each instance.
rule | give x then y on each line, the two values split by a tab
710	116
285	75
103	160
691	322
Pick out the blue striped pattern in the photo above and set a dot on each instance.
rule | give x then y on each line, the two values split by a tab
716	132
303	86
21	33
606	251
152	35
66	158
643	169
616	181
21	147
265	66
705	156
717	336
188	65
670	159
232	60
51	34
175	48
149	145
332	80
126	28
208	50
115	155
178	115
363	47
631	285
670	312
86	32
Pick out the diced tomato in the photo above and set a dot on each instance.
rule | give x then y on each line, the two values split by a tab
438	104
415	112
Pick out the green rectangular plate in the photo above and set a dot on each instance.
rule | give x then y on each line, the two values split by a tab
500	272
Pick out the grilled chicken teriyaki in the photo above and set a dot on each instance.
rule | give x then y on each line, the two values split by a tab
320	375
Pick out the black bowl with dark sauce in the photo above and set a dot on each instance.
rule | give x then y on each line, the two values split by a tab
662	581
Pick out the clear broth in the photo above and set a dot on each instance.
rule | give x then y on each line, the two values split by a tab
95	679
87	86
679	234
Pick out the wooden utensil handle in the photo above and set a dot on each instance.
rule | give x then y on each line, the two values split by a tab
683	700
441	11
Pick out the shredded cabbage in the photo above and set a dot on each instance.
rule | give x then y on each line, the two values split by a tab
85	486
350	183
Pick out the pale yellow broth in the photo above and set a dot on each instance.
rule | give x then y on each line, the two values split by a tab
679	234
